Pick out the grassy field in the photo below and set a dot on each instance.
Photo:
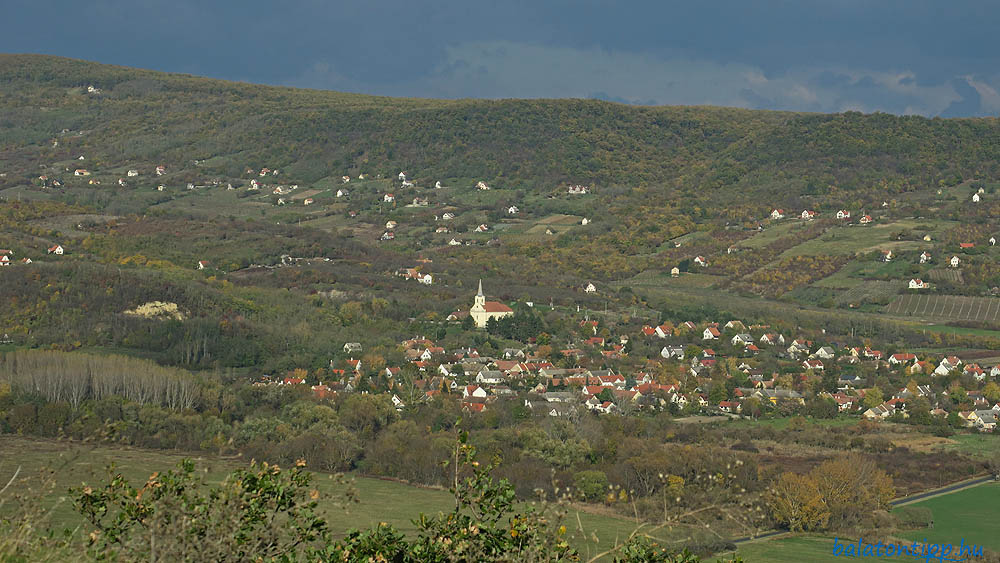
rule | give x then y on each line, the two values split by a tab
380	500
974	445
794	550
951	307
771	234
871	290
653	278
969	514
855	239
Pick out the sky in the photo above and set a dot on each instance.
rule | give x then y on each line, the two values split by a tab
932	58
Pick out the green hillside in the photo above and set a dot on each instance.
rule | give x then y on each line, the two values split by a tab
156	117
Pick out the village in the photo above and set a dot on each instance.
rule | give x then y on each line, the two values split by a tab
722	370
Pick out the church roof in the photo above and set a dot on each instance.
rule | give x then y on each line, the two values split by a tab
497	307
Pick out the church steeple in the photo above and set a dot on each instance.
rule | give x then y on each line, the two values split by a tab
480	297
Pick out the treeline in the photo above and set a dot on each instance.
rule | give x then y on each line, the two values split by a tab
74	378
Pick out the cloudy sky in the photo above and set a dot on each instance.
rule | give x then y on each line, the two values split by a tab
899	56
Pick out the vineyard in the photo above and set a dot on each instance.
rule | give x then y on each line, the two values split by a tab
951	307
872	291
952	276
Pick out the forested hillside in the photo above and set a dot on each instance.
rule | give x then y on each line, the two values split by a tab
140	115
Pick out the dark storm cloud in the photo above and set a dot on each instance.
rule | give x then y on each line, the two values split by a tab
903	56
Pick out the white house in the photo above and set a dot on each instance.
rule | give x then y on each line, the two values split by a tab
701	261
437	185
454	242
590	288
388	198
925	257
585	221
975	198
481	185
402	176
342	193
954	262
808	215
843	214
308	201
512	210
778	214
710	333
133	173
675	272
865	219
917	284
56	249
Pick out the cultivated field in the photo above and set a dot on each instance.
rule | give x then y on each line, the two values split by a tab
952	307
653	278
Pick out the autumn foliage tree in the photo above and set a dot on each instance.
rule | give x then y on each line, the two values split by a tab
837	493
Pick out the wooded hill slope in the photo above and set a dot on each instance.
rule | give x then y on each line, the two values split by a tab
146	116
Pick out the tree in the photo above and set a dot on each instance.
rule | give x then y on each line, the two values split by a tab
873	398
591	484
468	323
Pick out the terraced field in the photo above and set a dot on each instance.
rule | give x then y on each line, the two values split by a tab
951	307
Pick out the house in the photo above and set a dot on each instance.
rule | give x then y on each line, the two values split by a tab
202	264
993	241
710	333
345	179
925	257
816	365
389	198
389	225
133	173
342	193
352	348
56	249
437	185
513	210
772	339
481	185
473	391
454	242
388	235
354	364
264	172
161	170
672	352
742	339
482	228
4	260
954	262
778	214
824	353
700	260
947	364
966	245
808	215
308	201
664	330
865	219
675	272
590	288
483	310
904	358
730	406
406	184
975	371
81	172
843	214
402	176
447	216
735	325
578	190
975	198
886	256
585	221
917	284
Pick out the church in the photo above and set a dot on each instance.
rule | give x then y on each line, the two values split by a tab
484	310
